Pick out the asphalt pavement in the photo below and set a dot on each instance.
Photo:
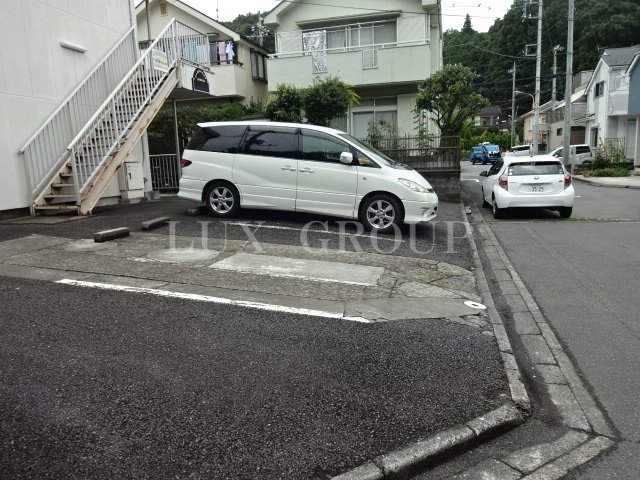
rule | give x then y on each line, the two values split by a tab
168	354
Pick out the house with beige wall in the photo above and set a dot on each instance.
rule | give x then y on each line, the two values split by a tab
383	48
239	77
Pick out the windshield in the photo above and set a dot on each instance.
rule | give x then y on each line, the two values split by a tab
375	154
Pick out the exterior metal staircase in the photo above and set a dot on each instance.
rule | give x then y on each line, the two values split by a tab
70	168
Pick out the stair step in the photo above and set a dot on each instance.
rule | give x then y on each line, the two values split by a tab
62	185
58	206
60	196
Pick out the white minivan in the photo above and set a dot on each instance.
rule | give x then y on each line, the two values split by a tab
302	168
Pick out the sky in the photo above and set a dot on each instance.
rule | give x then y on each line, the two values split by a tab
482	12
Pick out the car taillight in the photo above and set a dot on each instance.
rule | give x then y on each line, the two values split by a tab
184	163
567	180
503	181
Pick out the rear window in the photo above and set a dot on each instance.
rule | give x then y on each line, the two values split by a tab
520	149
222	138
583	149
536	168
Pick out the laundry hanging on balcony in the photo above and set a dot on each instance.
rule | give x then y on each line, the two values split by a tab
315	44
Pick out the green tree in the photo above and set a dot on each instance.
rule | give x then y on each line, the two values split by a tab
328	99
161	130
285	105
450	96
247	24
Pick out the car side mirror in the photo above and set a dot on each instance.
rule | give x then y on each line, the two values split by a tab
484	174
346	158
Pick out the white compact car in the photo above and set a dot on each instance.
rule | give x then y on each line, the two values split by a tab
302	168
538	181
518	151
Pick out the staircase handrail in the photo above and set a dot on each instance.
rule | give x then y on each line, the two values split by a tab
75	90
143	58
45	152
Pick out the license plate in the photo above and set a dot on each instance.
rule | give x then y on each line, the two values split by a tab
537	189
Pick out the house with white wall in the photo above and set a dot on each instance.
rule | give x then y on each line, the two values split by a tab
607	119
76	95
383	48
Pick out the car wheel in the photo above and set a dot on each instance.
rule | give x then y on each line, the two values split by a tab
473	161
222	199
497	212
380	213
484	200
565	212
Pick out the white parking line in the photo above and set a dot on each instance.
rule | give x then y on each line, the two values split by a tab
210	299
278	227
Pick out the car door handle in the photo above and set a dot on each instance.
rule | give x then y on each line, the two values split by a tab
288	168
306	170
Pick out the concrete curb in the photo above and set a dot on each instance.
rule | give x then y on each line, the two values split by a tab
587	429
114	233
436	447
432	449
518	391
597	183
154	223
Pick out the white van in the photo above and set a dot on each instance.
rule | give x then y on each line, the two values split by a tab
302	168
581	153
518	151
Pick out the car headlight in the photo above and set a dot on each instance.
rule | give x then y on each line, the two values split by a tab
416	187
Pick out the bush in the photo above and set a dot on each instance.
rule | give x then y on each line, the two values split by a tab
608	155
285	105
607	172
328	99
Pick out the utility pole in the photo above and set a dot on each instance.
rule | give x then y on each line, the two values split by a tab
536	110
567	155
556	49
513	106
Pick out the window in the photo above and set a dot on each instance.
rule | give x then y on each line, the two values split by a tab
599	90
258	65
583	149
536	168
559	132
271	142
222	139
320	147
375	110
495	168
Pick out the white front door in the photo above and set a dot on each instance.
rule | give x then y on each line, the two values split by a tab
631	140
266	170
324	184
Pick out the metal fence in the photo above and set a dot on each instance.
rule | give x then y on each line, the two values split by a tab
424	153
165	172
